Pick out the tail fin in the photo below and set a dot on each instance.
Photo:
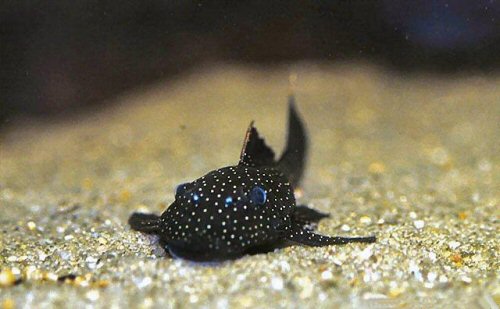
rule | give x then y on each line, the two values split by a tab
147	223
293	160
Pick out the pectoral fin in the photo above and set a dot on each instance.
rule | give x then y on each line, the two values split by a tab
147	223
306	237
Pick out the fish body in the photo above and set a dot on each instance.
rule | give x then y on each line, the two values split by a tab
246	208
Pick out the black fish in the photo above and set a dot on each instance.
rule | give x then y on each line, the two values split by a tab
246	208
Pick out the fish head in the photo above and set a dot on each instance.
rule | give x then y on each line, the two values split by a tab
230	209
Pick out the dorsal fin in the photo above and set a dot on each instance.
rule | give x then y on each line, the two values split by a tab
293	159
255	152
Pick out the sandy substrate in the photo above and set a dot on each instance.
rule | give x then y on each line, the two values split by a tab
413	160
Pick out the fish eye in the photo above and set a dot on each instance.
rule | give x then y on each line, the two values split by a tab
196	198
181	189
258	195
229	201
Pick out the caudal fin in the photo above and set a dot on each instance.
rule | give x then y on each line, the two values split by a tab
293	159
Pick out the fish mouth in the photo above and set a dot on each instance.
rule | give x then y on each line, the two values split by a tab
181	249
199	252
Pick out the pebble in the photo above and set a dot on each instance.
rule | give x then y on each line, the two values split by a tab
454	245
277	283
345	228
366	253
8	304
31	225
365	220
92	295
7	278
326	275
419	224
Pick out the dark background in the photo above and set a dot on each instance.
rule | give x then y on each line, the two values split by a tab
61	57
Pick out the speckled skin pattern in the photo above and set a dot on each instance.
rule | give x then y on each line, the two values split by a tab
213	224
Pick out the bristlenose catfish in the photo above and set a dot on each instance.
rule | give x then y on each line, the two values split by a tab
246	208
